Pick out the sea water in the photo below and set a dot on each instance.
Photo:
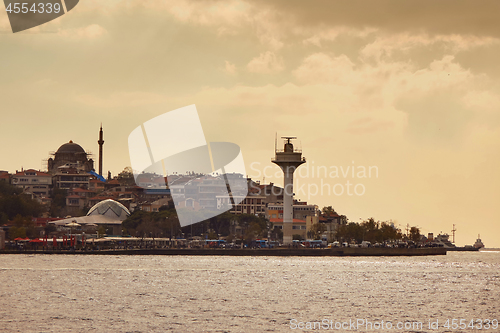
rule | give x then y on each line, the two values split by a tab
97	293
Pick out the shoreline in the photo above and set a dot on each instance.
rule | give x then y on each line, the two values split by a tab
337	252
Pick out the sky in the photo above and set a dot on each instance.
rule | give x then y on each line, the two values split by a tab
407	89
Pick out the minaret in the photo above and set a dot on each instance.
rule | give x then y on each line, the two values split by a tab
101	143
288	159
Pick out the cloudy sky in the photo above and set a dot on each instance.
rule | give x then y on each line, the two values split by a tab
409	87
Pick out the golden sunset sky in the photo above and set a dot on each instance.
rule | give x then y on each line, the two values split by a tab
411	87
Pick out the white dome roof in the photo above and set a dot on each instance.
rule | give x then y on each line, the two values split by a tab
111	209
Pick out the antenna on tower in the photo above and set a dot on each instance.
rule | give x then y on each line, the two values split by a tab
453	233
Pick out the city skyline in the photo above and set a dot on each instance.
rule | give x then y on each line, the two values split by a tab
411	88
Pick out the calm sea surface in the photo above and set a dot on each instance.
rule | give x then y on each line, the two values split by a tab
78	293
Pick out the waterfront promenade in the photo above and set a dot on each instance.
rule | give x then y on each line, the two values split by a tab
283	252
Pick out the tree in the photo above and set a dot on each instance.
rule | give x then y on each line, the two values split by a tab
212	235
134	220
149	226
7	190
58	204
277	234
15	232
23	227
101	231
415	234
14	204
370	230
3	218
350	231
143	223
230	238
221	223
317	229
253	231
126	177
49	228
388	232
328	210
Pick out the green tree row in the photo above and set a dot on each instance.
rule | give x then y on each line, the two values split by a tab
13	203
165	223
374	232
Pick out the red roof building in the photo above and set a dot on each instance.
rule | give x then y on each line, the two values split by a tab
33	182
4	176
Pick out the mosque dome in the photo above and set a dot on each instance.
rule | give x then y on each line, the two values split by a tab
70	153
111	209
70	148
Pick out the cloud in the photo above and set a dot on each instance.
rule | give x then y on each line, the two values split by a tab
386	45
230	68
267	62
389	83
323	68
369	125
89	32
394	16
226	18
4	22
328	34
121	99
482	100
210	13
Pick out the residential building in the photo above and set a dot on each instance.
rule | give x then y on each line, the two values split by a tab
33	182
301	210
272	193
251	204
69	177
4	176
332	221
155	205
96	185
299	227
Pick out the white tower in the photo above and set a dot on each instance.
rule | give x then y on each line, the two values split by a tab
288	159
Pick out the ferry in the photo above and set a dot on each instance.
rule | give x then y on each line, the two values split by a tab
444	241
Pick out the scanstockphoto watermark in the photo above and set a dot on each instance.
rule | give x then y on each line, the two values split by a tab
149	154
365	325
311	180
27	14
355	325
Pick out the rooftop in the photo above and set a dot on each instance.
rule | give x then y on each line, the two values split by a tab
70	148
111	209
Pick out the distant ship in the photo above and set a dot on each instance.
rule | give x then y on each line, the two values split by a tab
478	244
444	241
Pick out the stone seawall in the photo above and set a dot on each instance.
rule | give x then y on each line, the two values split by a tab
379	251
282	252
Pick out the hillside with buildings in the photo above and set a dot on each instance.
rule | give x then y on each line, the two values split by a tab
70	191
